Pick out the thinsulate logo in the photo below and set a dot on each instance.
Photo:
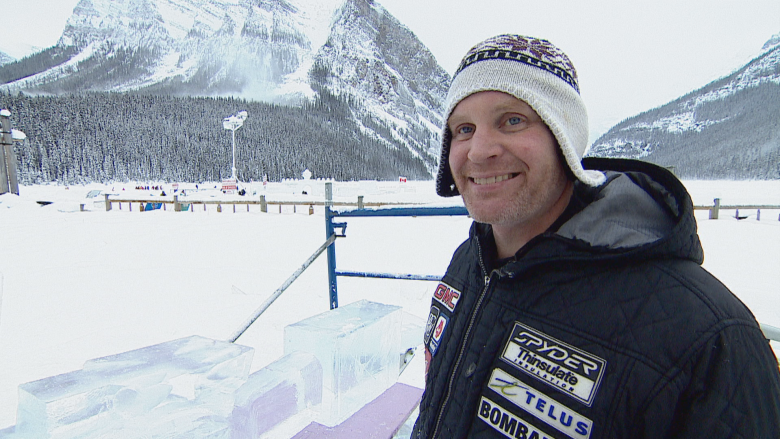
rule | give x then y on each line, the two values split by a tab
565	367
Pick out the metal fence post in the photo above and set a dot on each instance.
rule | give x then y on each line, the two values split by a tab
329	231
715	209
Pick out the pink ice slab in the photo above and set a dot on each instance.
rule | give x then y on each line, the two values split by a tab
379	419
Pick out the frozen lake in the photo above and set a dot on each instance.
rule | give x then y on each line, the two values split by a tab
80	285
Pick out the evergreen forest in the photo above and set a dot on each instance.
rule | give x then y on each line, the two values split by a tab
105	137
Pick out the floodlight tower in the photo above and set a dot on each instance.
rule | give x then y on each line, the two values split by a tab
8	178
233	123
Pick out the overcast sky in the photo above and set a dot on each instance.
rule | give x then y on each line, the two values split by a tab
631	56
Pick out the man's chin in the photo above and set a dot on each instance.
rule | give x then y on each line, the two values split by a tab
487	213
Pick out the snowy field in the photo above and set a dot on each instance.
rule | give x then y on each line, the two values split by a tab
79	285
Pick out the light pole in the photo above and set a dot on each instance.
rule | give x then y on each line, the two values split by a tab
8	177
233	123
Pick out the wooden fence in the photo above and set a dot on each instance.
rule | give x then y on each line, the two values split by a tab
717	207
179	206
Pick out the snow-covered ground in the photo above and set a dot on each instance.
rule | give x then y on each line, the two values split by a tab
79	285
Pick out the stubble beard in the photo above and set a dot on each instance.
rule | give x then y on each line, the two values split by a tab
517	210
527	203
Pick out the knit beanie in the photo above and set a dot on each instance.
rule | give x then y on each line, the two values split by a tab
536	72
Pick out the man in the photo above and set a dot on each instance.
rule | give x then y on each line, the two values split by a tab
578	307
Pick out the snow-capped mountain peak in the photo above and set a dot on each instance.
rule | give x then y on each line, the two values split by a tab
280	51
773	43
225	36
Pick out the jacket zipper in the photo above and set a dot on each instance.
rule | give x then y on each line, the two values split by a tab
465	340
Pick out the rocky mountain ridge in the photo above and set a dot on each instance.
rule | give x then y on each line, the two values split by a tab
6	58
287	52
726	129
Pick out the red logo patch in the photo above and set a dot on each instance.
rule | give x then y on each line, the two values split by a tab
447	296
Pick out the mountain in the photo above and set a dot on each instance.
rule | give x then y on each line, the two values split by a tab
287	52
772	43
727	129
6	58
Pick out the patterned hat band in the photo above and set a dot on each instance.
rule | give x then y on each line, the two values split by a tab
510	55
534	52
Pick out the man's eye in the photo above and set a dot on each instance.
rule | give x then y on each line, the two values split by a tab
514	120
465	130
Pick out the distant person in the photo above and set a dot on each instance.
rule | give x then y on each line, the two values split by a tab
577	307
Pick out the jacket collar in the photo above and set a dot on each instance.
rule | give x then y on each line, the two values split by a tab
658	223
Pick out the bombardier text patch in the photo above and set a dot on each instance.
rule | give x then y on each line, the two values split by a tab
540	406
506	423
565	367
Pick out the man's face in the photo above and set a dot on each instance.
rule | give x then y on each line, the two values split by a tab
504	160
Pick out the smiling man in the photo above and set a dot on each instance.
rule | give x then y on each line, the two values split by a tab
506	164
578	307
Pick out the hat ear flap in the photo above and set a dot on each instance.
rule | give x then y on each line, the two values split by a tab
445	183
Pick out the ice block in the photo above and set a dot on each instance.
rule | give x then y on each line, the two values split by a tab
284	391
358	346
412	332
169	389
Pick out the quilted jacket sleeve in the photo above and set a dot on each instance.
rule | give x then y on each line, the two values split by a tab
727	387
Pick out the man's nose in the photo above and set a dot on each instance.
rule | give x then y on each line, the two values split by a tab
485	144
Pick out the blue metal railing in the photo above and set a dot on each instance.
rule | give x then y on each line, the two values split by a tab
331	226
770	332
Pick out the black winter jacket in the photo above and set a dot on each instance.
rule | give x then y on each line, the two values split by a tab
606	326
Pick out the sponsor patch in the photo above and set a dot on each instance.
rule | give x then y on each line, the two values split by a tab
438	332
433	317
506	423
428	358
447	296
540	406
565	367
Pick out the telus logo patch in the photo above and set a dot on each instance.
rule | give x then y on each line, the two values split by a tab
540	406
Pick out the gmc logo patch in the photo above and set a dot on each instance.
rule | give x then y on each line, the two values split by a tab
447	296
